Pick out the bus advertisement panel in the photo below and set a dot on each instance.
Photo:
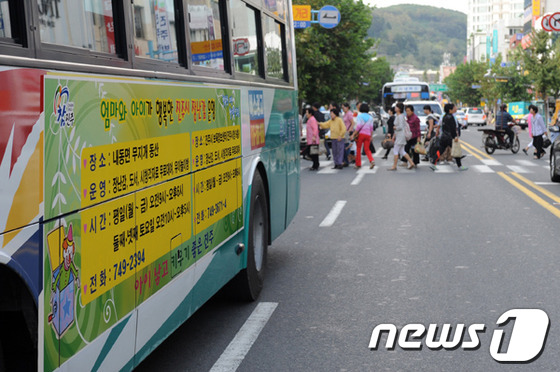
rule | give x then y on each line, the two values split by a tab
133	196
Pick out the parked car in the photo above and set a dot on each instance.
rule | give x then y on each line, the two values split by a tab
555	154
462	119
475	116
419	111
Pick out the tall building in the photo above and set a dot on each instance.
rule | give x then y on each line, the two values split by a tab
491	24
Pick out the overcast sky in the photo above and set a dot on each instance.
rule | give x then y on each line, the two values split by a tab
459	5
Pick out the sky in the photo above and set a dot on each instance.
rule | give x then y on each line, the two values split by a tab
459	5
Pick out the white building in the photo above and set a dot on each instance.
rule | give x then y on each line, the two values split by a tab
490	26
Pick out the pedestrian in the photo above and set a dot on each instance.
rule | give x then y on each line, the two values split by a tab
320	117
363	132
538	128
449	133
399	138
529	130
312	137
432	131
338	130
390	129
414	124
348	119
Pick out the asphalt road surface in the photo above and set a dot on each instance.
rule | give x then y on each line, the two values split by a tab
372	247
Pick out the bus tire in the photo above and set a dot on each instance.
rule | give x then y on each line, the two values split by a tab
249	282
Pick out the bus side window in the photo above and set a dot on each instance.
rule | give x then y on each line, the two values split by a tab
5	23
155	34
274	47
277	7
205	26
81	24
245	38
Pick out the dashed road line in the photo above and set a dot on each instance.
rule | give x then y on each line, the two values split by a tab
238	348
333	214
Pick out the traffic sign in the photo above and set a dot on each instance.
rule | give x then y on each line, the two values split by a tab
301	12
545	22
438	87
329	16
554	21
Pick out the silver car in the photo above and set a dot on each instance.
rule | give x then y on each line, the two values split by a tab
475	116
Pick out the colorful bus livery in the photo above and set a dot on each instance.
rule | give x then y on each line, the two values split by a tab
137	208
145	164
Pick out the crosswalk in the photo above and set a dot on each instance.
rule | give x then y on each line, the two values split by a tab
522	166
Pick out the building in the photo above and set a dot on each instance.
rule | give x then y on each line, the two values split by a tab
491	24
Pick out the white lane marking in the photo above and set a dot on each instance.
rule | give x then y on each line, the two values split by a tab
333	214
378	152
358	179
527	163
234	354
546	183
490	162
483	169
445	169
518	169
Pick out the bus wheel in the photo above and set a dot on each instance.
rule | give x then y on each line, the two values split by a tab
249	282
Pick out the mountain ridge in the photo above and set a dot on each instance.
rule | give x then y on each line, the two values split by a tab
419	34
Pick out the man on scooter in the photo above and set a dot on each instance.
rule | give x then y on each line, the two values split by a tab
502	119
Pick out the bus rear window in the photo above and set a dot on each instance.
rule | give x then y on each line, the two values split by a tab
155	35
81	24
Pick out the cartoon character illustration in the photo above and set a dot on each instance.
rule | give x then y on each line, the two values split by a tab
64	278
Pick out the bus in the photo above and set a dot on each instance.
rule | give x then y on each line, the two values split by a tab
404	89
148	157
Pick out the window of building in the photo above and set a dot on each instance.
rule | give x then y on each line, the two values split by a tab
273	46
244	38
205	25
81	24
5	22
155	31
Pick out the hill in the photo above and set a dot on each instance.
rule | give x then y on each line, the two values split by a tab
419	35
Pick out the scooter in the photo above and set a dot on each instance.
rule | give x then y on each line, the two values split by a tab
497	139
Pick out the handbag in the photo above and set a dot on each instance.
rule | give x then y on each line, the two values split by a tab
456	150
313	149
419	148
387	143
546	142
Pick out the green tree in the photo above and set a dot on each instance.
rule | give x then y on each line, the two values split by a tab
461	81
541	60
331	62
375	73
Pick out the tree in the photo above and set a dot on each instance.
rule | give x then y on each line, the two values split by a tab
460	83
333	63
376	73
541	60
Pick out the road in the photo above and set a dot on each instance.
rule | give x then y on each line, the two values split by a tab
412	246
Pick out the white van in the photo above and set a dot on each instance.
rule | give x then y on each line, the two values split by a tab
419	111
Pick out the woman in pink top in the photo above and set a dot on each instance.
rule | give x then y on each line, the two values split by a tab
312	137
364	130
